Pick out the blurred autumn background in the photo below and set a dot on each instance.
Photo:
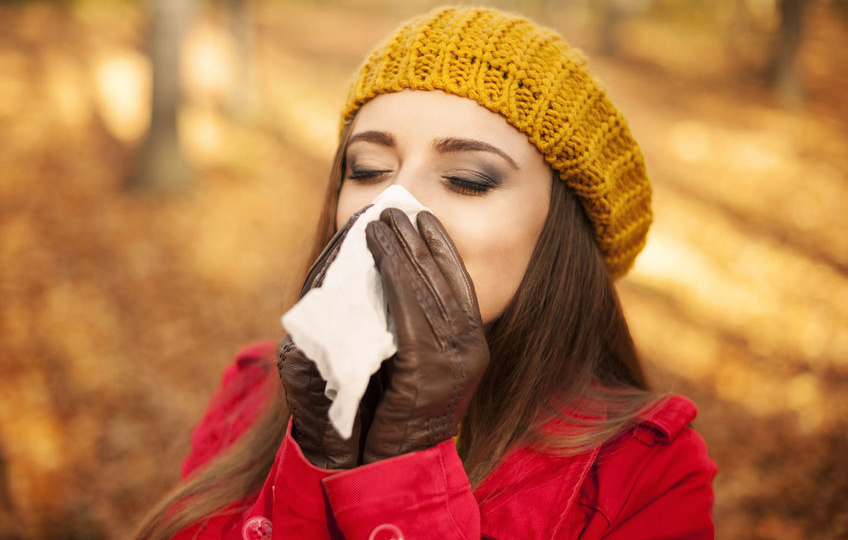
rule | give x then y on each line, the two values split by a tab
162	164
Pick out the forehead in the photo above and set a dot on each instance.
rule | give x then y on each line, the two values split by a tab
421	116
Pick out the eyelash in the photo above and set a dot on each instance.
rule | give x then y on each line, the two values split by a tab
367	176
464	186
457	184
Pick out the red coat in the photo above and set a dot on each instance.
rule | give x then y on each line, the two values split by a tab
654	481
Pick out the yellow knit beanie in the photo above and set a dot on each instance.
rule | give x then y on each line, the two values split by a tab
530	76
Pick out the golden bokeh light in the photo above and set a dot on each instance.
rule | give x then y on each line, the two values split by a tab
124	84
120	307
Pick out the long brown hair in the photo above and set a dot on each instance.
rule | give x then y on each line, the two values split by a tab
561	349
241	469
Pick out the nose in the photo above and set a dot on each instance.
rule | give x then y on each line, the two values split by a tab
417	178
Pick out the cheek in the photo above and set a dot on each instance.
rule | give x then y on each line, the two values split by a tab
496	254
351	200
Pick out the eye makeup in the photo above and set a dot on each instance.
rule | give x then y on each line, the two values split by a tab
367	165
465	166
471	181
363	175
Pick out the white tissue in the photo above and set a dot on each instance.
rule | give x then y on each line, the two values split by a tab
342	325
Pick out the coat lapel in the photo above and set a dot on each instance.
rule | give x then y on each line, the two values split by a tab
530	493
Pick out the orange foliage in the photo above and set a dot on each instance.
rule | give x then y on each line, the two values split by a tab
119	309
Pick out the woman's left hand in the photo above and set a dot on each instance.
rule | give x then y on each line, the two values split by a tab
442	350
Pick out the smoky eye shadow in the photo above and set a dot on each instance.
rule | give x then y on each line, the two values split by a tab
486	164
495	175
485	172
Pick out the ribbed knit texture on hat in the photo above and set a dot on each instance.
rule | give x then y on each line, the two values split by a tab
543	88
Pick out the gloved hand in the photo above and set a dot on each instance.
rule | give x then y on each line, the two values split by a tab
304	387
442	350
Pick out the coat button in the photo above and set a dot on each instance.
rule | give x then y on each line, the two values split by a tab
256	528
386	531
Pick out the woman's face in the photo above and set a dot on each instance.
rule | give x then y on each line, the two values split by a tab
479	175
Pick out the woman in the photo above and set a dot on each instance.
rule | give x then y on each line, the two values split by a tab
506	319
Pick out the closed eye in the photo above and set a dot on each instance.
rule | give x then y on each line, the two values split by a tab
471	183
367	176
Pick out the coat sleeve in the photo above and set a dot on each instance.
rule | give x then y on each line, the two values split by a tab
672	496
422	495
291	502
293	496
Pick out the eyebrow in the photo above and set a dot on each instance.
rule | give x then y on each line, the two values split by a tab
377	137
453	144
444	146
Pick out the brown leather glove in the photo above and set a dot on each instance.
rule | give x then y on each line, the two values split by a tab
442	349
304	387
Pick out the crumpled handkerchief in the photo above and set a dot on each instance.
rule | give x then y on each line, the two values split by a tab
343	325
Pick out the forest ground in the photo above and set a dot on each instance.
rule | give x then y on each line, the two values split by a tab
120	309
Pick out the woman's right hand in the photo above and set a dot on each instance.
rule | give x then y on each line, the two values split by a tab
304	386
304	389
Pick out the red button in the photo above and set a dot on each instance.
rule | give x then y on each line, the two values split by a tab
386	531
256	528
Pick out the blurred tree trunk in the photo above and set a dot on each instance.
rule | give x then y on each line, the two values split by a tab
783	69
10	521
539	10
613	15
159	164
242	100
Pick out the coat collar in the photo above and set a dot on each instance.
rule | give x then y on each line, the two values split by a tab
535	490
